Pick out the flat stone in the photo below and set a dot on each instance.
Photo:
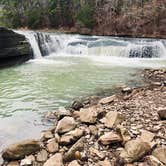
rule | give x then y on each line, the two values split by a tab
123	132
52	145
162	113
110	138
107	100
65	125
153	161
93	130
104	163
95	153
13	163
160	154
47	135
55	160
42	156
71	136
29	160
74	163
78	146
88	115
20	150
113	118
134	150
147	136
62	112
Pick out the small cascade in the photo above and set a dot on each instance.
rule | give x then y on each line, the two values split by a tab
46	44
34	44
146	50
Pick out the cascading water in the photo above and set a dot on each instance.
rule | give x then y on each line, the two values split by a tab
45	44
31	36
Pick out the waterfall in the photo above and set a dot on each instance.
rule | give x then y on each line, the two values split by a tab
33	42
46	44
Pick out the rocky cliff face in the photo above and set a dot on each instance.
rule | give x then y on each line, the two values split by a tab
14	48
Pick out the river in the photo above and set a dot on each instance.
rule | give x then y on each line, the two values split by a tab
64	68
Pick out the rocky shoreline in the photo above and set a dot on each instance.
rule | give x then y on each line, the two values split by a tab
125	129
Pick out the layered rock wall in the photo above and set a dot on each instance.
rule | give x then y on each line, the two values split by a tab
14	48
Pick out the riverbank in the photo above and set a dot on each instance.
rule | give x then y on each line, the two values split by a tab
127	127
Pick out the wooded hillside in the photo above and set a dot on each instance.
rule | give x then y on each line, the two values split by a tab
102	17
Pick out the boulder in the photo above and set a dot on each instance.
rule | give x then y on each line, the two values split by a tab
20	150
74	163
104	163
65	125
147	136
29	160
135	150
160	154
110	138
96	153
152	161
112	118
78	146
52	145
13	163
162	113
62	112
47	135
71	136
107	100
88	115
42	156
14	48
123	132
55	160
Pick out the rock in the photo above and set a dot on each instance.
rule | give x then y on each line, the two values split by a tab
107	100
123	133
13	163
77	105
62	112
52	145
160	154
74	163
42	156
135	150
110	138
95	153
152	161
127	90
14	48
20	150
71	137
147	136
162	113
55	160
47	135
104	163
78	146
65	125
93	130
112	118
29	160
88	115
